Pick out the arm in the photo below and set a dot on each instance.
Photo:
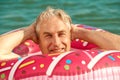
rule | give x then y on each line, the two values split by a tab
104	40
10	40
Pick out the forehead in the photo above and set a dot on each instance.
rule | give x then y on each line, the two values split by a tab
52	24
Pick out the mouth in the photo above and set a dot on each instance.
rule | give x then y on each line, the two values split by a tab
57	51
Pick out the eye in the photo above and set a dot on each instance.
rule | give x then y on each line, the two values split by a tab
48	36
62	34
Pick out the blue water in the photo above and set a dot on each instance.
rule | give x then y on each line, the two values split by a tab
103	14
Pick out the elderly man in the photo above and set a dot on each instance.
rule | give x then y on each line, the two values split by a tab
53	31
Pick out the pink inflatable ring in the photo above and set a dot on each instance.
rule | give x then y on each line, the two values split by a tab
85	62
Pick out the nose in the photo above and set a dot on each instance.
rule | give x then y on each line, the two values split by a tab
56	41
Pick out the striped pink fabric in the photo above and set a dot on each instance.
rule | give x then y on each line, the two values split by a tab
112	73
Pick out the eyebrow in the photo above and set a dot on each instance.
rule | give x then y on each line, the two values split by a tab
45	33
62	31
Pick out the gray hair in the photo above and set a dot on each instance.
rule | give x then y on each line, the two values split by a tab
53	12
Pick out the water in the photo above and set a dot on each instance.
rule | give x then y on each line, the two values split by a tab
103	14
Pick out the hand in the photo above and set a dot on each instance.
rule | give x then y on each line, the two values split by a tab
31	31
74	30
78	33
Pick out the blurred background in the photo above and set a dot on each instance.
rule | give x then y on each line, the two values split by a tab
103	14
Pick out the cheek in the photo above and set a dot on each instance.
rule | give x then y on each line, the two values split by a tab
44	43
66	41
44	46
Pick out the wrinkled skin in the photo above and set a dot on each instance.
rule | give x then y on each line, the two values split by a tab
54	36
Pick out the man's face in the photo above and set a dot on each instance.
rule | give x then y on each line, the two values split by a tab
54	36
